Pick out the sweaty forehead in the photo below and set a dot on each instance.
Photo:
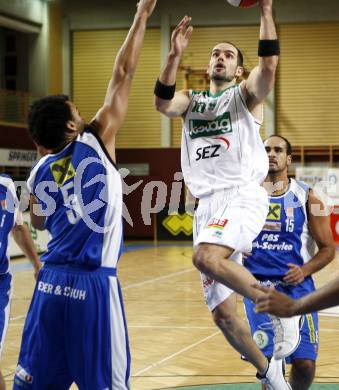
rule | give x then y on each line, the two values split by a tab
224	47
275	142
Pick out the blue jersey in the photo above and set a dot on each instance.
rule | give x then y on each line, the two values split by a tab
285	238
79	190
77	307
8	208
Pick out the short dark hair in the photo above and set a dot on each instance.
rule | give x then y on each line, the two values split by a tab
287	142
240	56
47	121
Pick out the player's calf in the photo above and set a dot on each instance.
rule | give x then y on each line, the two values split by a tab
302	374
224	317
2	382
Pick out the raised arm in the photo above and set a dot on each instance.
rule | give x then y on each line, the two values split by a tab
111	115
262	77
320	229
166	101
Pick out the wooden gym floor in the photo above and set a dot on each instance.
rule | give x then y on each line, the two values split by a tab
173	339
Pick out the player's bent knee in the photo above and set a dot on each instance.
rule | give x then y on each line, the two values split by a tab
202	259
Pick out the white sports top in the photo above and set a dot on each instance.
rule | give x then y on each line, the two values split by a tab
221	146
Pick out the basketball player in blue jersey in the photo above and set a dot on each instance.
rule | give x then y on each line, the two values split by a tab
11	221
75	329
224	164
284	256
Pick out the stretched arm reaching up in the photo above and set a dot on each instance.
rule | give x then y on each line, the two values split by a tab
111	115
262	77
179	103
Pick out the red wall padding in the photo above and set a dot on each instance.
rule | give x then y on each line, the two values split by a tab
163	163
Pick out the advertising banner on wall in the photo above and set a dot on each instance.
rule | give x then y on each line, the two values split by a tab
174	226
17	157
324	180
311	175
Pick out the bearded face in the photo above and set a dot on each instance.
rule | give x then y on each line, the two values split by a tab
223	66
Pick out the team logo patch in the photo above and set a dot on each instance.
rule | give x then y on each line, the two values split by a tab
23	375
217	223
274	212
207	128
261	338
207	282
217	234
212	106
62	170
272	226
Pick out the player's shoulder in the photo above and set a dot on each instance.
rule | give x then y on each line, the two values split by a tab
91	140
4	177
41	163
88	136
300	185
7	184
40	167
6	180
301	190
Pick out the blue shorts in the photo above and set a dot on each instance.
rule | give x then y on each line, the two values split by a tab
262	333
75	331
5	295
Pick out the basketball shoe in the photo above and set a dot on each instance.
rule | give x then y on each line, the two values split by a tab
286	335
274	378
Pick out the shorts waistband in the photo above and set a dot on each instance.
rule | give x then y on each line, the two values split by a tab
273	282
81	269
217	194
230	191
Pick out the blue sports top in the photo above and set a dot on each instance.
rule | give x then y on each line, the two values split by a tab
285	237
79	190
8	210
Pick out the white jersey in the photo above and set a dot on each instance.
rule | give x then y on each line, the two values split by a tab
221	145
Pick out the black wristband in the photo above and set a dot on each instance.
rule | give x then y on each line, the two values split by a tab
268	47
164	91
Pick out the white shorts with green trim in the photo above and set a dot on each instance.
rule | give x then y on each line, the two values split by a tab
232	218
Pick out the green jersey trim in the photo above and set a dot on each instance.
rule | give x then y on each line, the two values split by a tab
220	92
209	94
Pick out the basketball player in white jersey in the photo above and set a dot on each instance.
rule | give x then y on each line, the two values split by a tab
224	163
